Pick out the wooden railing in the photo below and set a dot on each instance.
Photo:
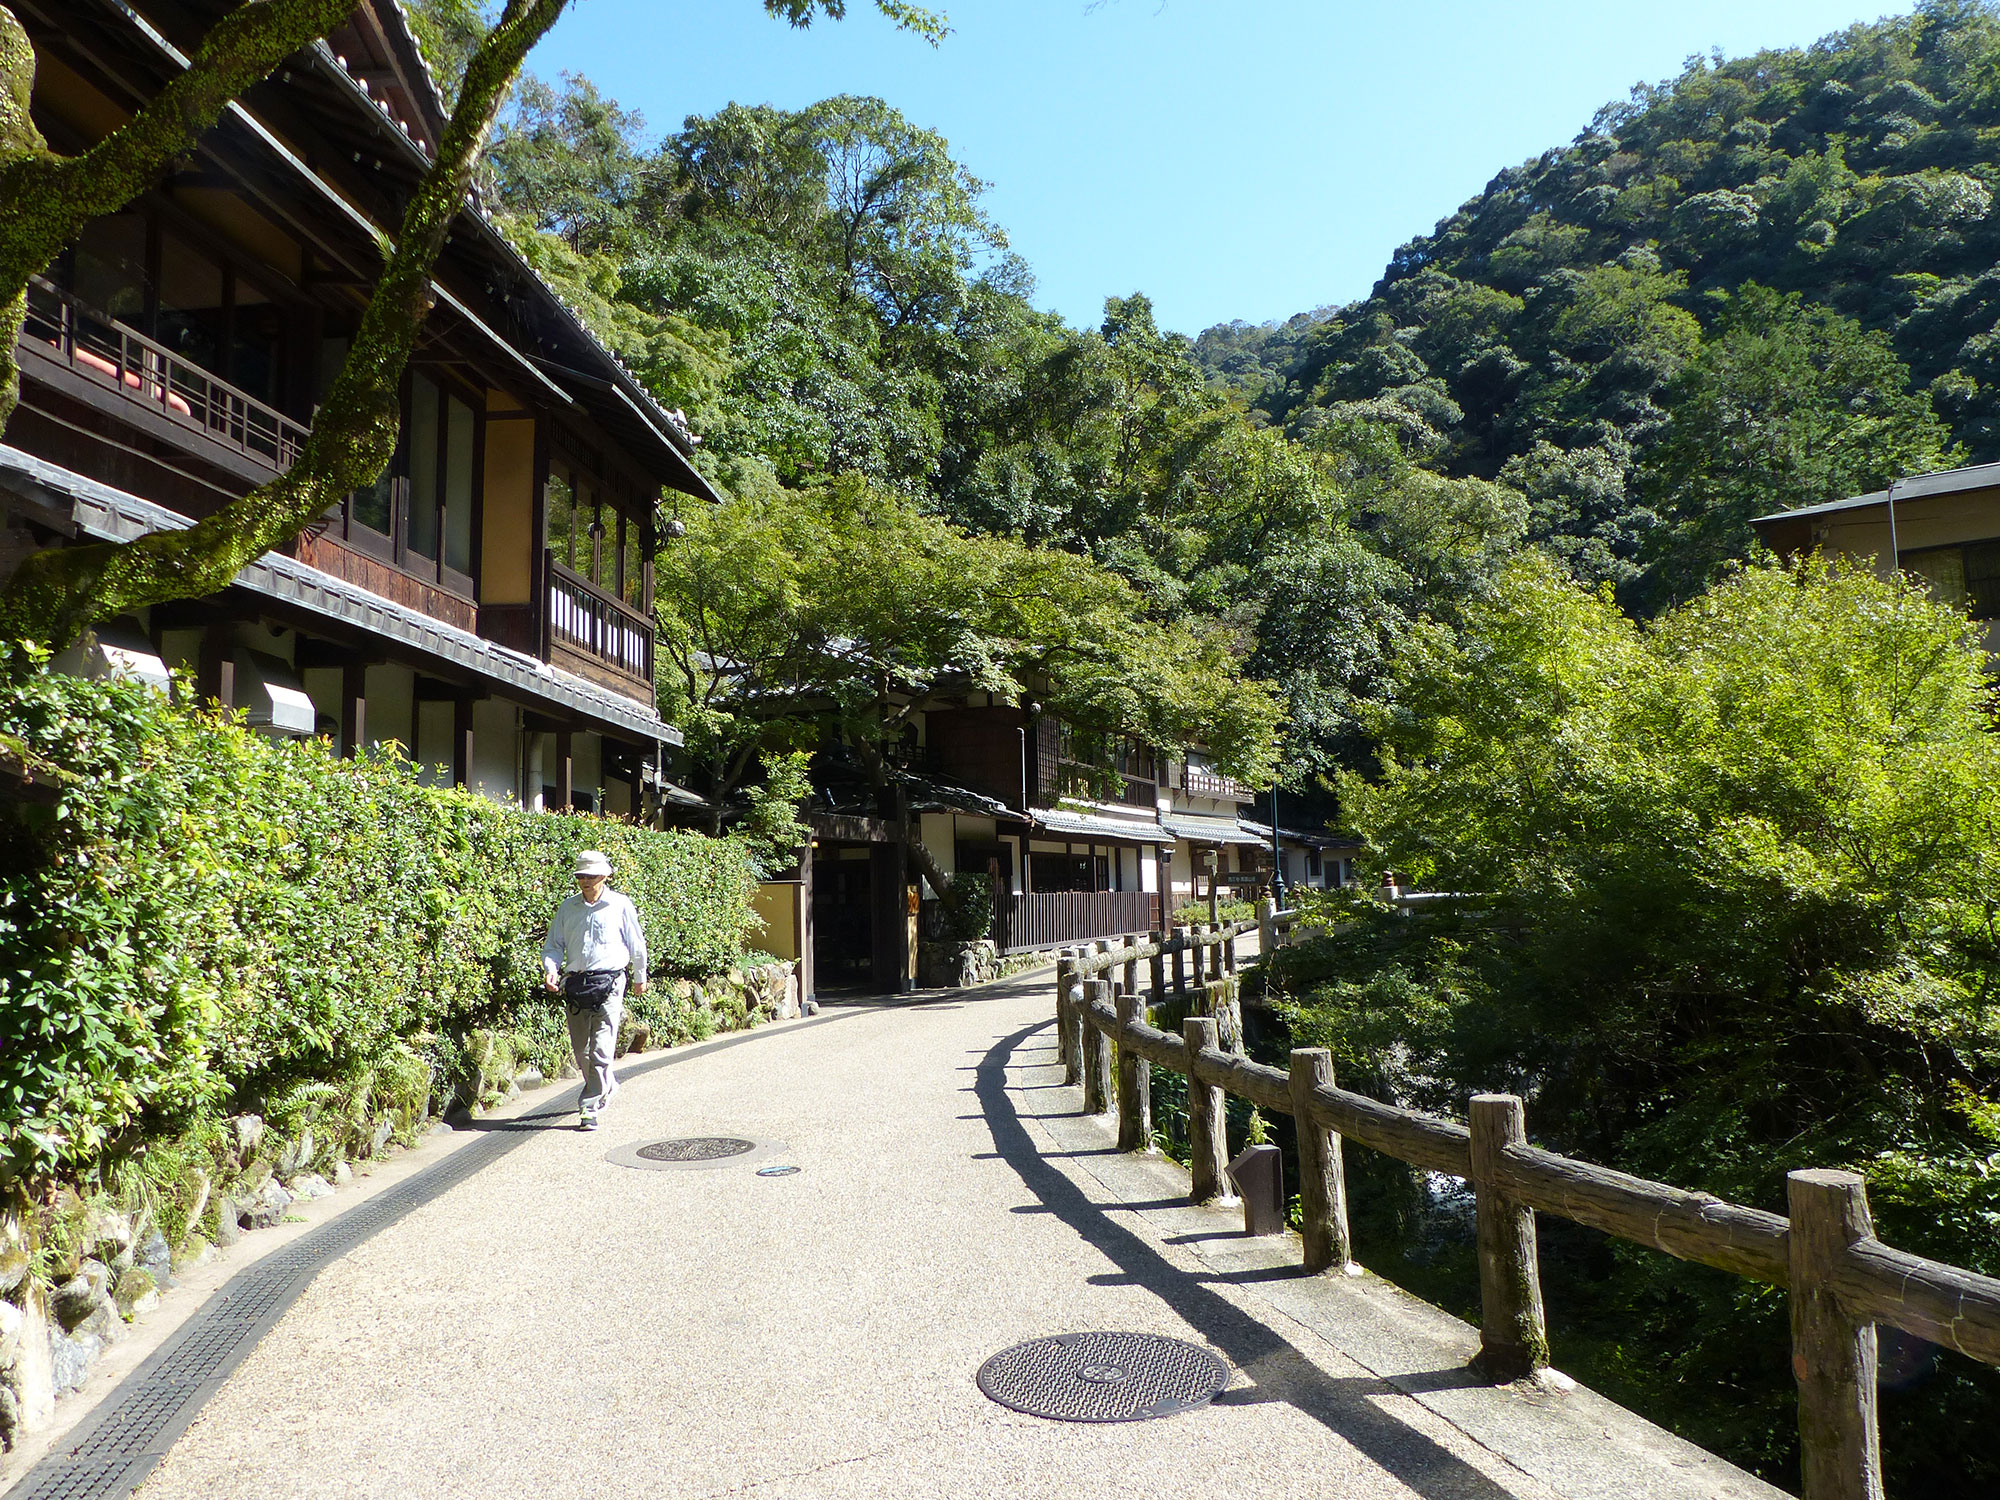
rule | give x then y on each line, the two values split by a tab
1843	1281
598	623
152	375
1199	781
1038	920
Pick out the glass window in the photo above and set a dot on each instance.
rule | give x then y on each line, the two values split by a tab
110	274
423	536
634	564
561	502
458	454
590	533
371	506
1943	569
1982	580
256	344
191	304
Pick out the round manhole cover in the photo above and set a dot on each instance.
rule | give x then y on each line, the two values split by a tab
694	1153
696	1148
1103	1377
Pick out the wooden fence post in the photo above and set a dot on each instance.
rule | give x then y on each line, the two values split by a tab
1208	1139
1322	1177
1513	1334
1833	1356
1097	1084
1158	966
1229	953
1135	1083
1180	964
1131	966
1065	977
1267	926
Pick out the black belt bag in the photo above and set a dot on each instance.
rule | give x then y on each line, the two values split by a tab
590	988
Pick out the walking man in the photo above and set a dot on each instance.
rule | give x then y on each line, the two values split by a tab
593	940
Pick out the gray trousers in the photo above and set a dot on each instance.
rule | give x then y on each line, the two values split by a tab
593	1041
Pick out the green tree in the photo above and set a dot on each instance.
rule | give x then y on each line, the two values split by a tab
1789	404
797	617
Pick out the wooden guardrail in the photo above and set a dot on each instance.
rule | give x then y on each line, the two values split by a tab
1842	1280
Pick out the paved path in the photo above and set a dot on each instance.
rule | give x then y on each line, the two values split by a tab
558	1325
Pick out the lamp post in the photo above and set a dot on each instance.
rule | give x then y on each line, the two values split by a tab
1277	855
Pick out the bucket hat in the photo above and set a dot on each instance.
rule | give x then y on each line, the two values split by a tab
592	862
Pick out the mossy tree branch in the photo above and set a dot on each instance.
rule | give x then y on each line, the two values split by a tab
57	593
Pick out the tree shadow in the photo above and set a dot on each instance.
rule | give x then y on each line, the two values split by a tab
1278	1372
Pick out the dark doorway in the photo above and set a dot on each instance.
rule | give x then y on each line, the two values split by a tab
843	915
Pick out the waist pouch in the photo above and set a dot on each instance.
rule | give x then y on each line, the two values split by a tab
589	988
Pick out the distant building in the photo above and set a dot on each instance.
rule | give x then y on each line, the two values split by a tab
1943	528
487	603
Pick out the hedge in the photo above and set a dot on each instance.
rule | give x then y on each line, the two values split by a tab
208	918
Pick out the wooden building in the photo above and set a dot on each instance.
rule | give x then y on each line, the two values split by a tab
1943	528
488	602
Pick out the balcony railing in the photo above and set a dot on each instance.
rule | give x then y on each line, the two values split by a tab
143	371
594	621
1202	782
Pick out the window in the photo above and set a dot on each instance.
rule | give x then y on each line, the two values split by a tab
1966	577
193	313
594	532
441	448
109	272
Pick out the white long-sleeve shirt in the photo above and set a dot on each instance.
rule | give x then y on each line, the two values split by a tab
585	937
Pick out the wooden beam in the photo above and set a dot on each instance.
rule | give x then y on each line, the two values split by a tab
353	706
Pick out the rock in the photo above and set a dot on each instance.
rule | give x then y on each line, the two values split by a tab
70	1359
227	1230
309	1185
155	1257
77	1300
195	1251
14	1264
267	1209
12	1321
137	1293
529	1077
384	1128
342	1174
296	1156
29	1377
195	1211
10	1419
809	1007
249	1133
254	1177
107	1236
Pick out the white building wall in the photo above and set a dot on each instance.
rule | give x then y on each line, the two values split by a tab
495	749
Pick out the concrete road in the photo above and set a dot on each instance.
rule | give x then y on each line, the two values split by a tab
563	1326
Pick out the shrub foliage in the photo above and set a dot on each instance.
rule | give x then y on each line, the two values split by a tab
208	917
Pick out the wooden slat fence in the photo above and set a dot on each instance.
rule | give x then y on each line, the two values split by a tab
1843	1281
1039	920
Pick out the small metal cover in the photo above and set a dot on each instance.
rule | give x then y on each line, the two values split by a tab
1103	1377
787	1171
693	1153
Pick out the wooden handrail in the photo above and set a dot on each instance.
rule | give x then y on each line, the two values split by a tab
148	372
1842	1279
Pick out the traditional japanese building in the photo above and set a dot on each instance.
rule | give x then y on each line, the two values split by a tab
488	602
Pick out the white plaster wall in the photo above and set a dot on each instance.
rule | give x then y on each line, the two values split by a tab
495	749
323	687
390	688
587	757
938	835
434	721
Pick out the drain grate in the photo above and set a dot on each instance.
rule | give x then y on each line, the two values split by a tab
696	1148
1103	1377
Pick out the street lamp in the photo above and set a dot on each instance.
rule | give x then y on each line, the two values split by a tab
1277	855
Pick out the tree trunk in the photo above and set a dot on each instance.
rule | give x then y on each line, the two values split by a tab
57	593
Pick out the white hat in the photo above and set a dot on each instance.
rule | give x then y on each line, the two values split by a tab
592	862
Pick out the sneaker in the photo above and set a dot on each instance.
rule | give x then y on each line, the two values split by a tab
586	1122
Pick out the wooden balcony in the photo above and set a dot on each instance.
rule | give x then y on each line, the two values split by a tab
594	633
1202	782
167	388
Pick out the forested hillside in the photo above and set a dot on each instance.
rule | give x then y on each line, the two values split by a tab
1769	281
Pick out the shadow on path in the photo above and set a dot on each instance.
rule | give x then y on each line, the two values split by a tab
1278	1371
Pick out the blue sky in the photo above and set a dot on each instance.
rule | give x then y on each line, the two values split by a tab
1248	159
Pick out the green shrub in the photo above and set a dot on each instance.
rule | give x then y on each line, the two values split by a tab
208	917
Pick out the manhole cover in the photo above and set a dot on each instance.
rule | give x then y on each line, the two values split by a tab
696	1148
694	1153
1103	1377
